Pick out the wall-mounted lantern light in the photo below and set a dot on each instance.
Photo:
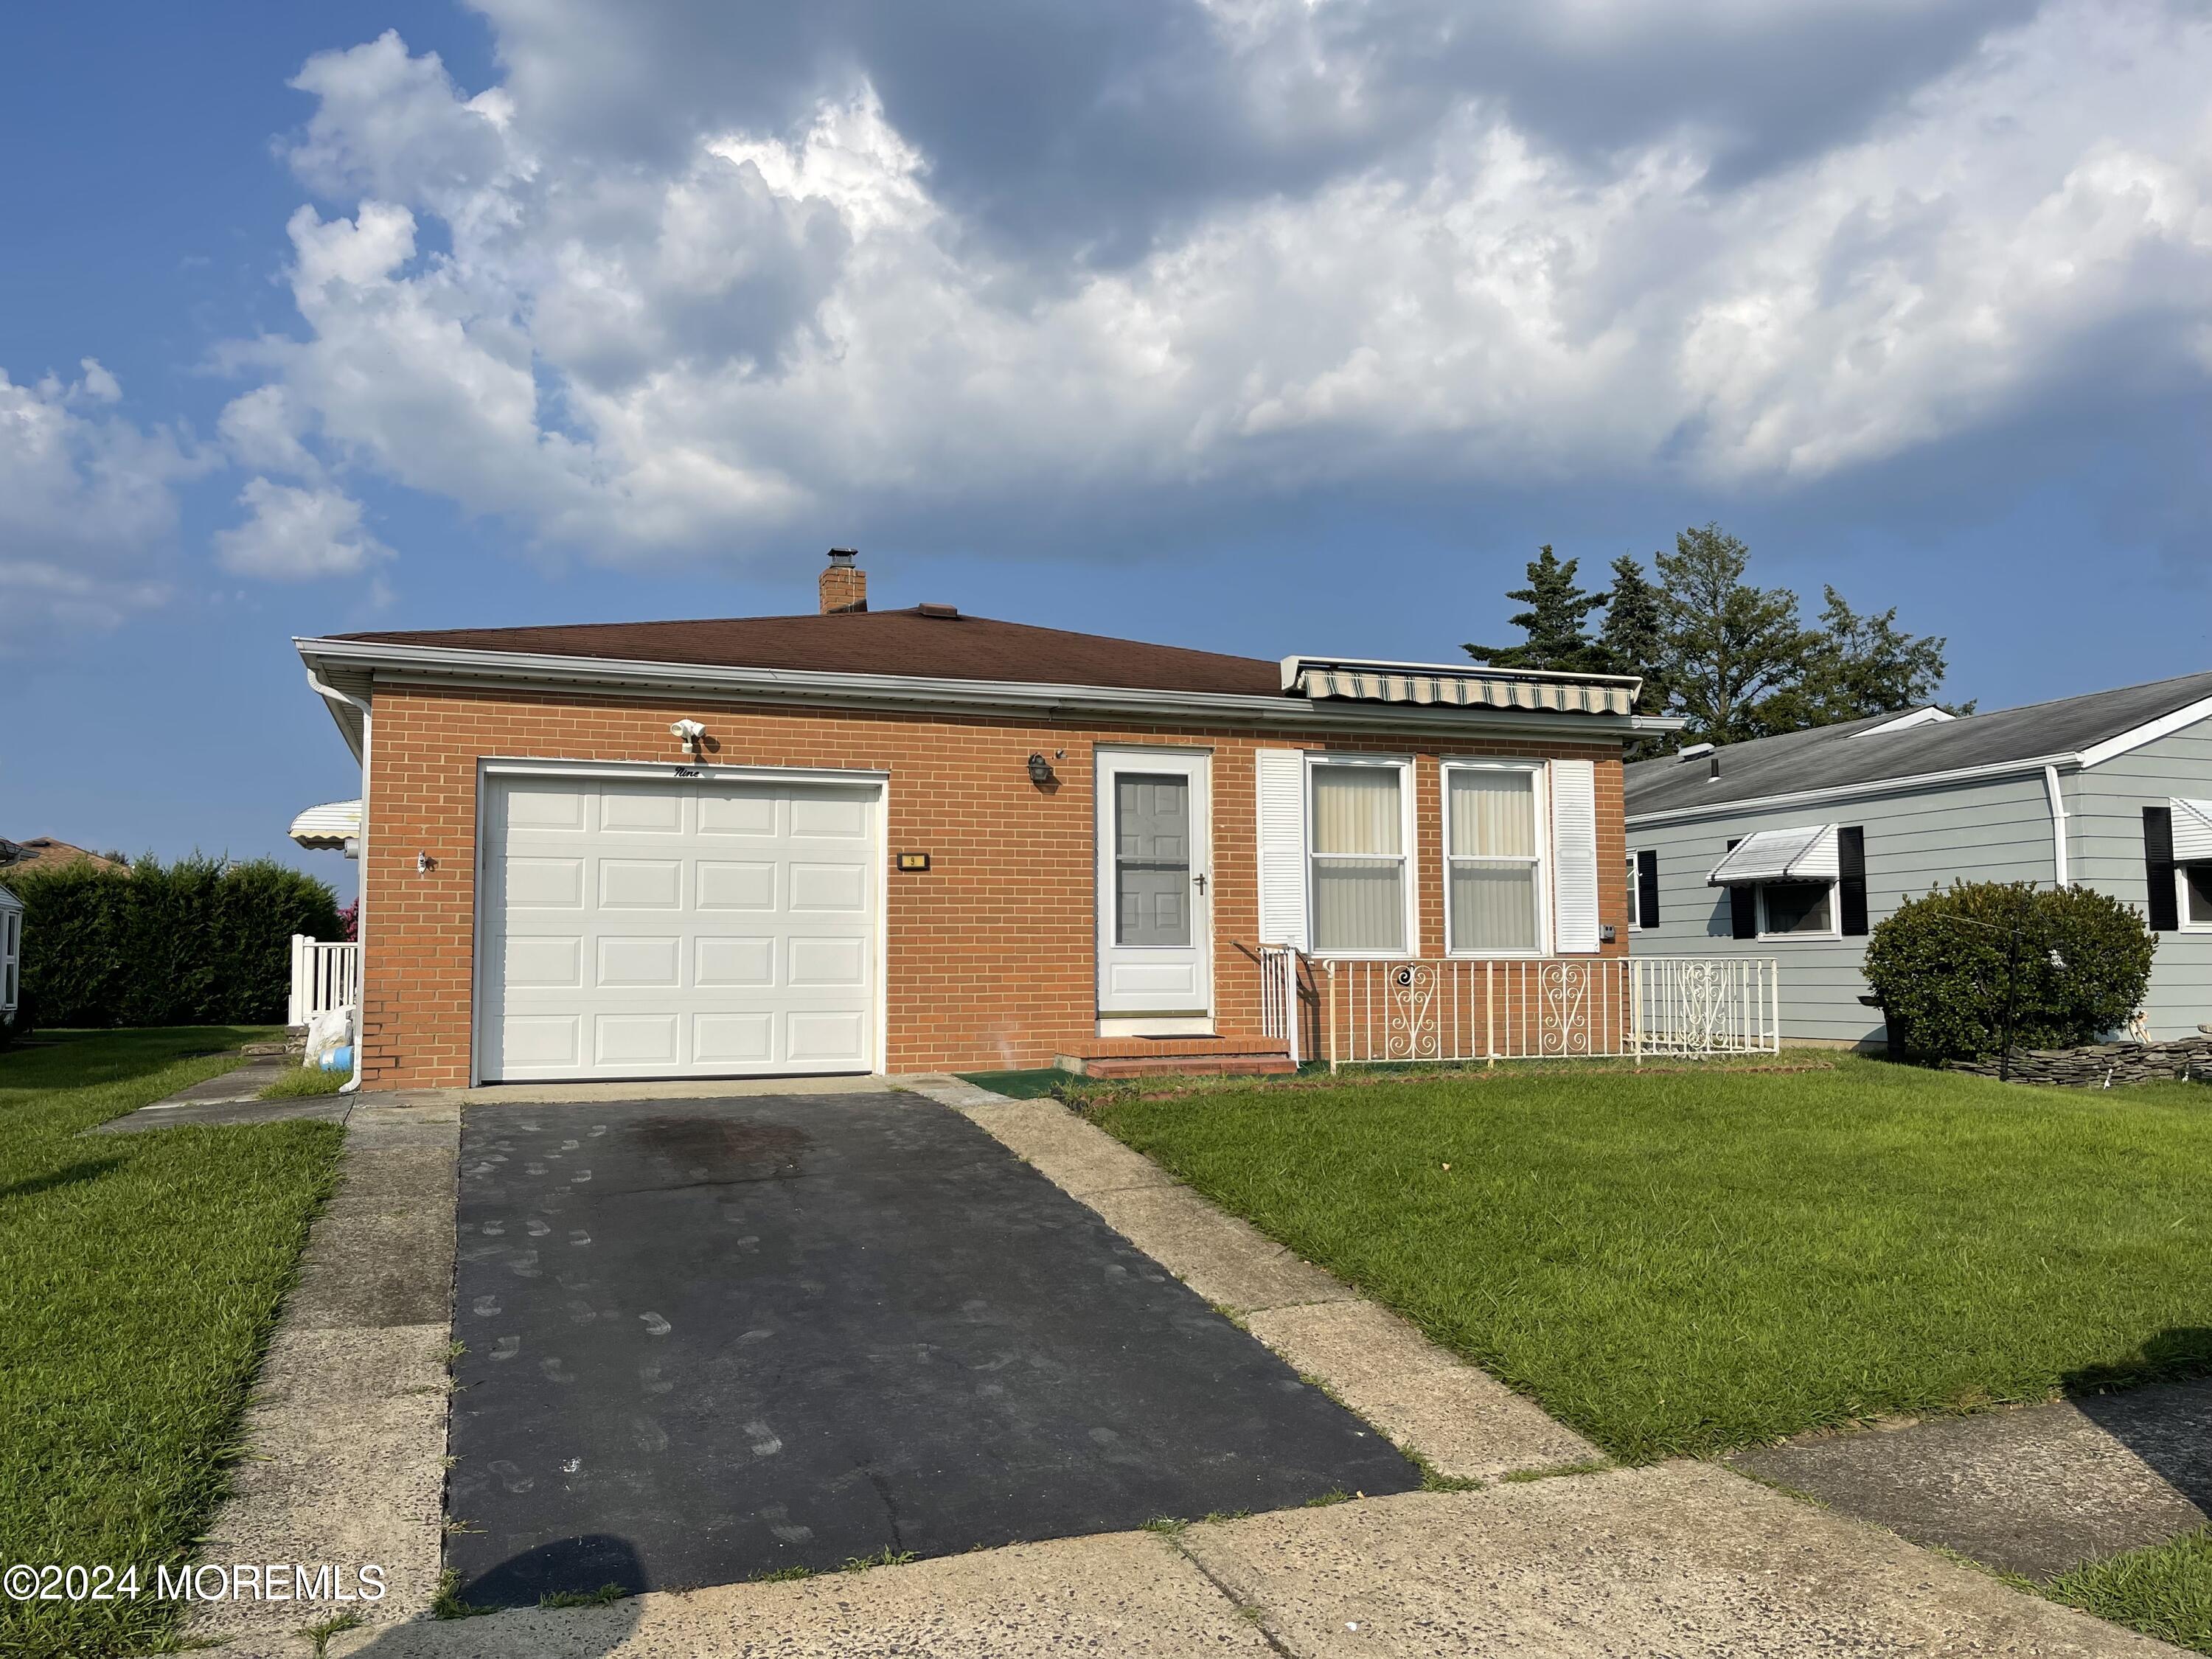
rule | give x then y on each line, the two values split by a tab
1041	771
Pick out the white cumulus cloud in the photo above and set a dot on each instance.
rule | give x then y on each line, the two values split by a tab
295	534
88	506
674	291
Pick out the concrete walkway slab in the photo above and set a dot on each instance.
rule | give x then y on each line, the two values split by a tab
1127	1594
346	1436
1463	1421
1228	1261
1072	1155
232	1099
1683	1560
2036	1490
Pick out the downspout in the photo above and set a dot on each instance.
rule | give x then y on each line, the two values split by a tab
352	1085
2062	876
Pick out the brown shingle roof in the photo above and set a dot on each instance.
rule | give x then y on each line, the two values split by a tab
905	643
46	852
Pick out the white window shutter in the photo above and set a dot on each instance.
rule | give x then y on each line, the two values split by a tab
1282	792
1574	856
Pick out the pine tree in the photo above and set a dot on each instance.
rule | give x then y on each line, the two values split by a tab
1858	666
1731	650
1555	623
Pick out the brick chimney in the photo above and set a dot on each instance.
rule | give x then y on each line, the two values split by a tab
844	584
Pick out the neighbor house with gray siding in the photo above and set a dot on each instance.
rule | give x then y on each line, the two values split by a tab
1803	842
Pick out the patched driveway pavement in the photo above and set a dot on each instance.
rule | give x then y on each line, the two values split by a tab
710	1340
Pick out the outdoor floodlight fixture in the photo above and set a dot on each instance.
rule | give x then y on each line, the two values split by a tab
693	733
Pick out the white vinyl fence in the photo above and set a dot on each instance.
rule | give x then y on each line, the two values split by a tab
1362	1012
325	974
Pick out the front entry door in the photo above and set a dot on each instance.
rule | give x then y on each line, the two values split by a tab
1155	880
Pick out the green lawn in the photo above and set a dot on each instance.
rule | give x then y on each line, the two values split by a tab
2164	1591
140	1276
1689	1261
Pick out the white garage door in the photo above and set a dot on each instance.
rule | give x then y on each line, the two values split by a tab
638	928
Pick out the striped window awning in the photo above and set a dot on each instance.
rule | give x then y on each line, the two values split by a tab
1443	685
2192	830
1805	854
328	827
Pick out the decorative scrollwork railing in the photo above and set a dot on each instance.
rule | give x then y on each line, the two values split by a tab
1561	1007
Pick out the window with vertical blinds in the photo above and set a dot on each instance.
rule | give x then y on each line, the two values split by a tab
1495	850
1359	857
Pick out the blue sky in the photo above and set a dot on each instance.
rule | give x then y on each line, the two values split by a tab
1254	326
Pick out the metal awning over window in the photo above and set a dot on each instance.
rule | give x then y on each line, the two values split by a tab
2192	830
328	827
1804	855
1443	685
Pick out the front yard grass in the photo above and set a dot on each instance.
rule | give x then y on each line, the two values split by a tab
1685	1261
2164	1591
140	1276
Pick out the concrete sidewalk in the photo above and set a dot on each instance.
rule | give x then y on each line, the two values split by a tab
1680	1560
2036	1490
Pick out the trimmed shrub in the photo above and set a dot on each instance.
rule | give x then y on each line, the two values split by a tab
2060	968
198	942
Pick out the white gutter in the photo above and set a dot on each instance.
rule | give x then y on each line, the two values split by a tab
451	665
1853	790
330	694
2060	877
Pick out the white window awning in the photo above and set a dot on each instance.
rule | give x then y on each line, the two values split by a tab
1449	685
1802	854
329	827
2192	830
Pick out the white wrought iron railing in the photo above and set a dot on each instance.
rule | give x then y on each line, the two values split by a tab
325	974
1282	996
1557	1007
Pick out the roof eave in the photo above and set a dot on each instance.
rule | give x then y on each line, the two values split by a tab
335	662
1851	791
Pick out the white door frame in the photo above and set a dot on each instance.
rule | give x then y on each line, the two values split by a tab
1117	1017
491	766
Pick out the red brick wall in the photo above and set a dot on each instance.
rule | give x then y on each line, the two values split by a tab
991	957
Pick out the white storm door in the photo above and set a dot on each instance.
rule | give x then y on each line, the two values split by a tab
1155	876
638	927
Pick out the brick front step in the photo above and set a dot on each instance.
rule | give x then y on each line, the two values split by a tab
1231	1054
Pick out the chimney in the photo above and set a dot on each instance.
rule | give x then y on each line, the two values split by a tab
844	584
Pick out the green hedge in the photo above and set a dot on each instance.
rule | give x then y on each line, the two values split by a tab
199	942
2064	967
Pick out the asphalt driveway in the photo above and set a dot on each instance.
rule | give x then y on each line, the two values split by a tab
711	1340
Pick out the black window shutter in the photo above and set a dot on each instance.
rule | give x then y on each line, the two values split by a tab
1743	906
1851	879
1647	888
2158	866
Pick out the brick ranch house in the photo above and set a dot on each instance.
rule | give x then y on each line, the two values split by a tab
914	840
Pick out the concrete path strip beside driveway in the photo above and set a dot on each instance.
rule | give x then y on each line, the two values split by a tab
1680	1561
348	1428
1460	1420
2036	1490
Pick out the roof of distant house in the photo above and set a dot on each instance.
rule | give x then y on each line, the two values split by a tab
1859	754
44	852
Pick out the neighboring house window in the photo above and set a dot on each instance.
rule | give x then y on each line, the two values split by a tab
2195	896
1807	882
1642	890
1493	840
1360	893
1789	909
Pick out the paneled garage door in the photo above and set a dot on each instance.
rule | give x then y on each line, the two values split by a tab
643	928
